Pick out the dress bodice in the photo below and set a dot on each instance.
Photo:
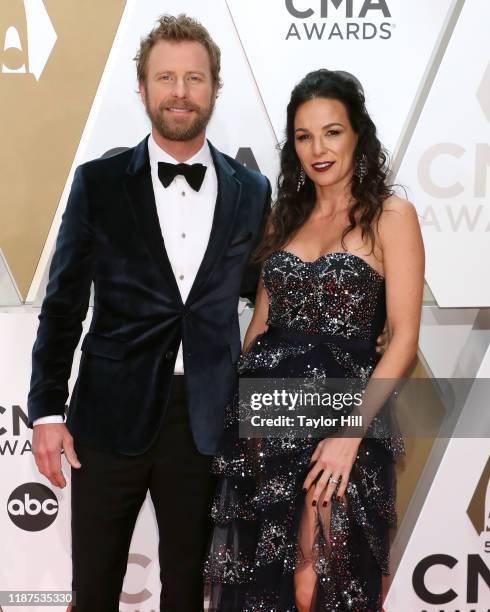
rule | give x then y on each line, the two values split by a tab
338	293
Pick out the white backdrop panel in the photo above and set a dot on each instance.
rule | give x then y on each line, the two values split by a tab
447	166
390	69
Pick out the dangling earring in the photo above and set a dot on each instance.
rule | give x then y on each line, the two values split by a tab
361	168
301	179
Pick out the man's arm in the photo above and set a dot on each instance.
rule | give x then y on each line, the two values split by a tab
60	326
251	277
64	308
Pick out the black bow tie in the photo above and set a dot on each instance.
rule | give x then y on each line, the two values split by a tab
193	173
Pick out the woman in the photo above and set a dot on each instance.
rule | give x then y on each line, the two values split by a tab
303	525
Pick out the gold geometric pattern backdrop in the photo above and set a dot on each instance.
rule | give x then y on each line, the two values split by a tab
476	508
52	55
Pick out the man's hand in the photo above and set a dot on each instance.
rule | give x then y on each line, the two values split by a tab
382	340
48	440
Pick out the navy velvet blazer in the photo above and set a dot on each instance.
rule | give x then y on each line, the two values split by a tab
110	234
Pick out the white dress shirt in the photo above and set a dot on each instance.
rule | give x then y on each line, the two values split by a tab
185	219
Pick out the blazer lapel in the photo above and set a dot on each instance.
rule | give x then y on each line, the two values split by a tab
229	190
139	189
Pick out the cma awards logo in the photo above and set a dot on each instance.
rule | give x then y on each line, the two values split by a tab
357	20
29	41
13	427
468	218
32	507
144	595
477	563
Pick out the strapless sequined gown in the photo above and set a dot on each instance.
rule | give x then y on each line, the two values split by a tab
324	317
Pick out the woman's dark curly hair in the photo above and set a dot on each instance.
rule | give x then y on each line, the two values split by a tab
293	207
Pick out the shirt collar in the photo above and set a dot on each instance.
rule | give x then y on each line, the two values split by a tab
157	154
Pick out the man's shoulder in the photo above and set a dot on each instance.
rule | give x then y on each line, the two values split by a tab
113	164
247	176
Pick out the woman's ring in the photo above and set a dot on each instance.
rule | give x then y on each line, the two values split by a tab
335	481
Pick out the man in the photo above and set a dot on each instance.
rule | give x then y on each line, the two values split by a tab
167	247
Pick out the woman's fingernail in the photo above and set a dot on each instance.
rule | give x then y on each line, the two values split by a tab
325	503
313	503
304	489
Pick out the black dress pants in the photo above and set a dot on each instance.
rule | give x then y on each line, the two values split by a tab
107	494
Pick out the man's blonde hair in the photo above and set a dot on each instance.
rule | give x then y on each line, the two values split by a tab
178	29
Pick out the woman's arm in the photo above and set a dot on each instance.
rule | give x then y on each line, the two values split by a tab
258	323
403	258
404	262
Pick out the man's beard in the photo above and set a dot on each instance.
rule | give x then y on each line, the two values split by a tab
172	130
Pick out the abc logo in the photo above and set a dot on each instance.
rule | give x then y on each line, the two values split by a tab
32	506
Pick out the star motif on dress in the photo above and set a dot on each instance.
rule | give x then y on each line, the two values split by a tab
274	534
350	329
228	568
278	488
335	325
287	443
354	299
285	275
272	542
275	357
364	373
295	312
369	481
338	266
354	595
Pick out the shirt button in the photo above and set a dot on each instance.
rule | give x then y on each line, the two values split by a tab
183	193
169	355
181	277
183	235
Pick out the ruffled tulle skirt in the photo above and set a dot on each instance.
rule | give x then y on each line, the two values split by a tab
266	531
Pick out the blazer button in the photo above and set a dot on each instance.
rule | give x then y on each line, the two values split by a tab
169	355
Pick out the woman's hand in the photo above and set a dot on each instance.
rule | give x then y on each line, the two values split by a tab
335	457
382	340
258	324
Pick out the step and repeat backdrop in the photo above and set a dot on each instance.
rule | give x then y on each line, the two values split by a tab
68	94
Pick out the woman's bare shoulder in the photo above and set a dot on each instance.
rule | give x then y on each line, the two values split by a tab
394	203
